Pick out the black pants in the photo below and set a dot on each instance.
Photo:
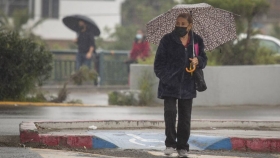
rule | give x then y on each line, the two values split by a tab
184	122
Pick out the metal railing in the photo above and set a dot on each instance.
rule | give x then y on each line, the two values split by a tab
111	66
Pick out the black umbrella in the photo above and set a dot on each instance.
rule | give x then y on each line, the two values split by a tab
73	23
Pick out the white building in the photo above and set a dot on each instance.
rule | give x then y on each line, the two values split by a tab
106	13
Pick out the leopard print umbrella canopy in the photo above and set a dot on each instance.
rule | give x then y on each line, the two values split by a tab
214	25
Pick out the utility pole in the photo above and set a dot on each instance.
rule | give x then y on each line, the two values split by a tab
7	6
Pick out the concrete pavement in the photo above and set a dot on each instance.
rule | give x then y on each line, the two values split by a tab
119	153
90	98
18	153
47	153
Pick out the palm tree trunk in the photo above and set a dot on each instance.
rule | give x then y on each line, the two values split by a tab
249	32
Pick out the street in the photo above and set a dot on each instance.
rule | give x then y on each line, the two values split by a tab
11	116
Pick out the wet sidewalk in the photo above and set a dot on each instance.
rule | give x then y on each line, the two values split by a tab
261	136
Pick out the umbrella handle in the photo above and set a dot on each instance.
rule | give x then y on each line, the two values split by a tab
192	69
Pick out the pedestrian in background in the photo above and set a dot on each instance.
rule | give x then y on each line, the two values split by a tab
86	46
140	48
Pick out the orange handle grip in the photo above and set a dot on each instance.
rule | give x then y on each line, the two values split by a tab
191	70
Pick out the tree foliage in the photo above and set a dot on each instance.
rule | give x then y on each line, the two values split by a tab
122	38
22	63
135	15
140	12
18	23
276	31
235	54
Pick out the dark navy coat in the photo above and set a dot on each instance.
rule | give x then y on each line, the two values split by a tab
171	60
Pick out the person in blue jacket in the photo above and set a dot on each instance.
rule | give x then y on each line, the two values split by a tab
173	56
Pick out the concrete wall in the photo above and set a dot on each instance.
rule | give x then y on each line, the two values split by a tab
229	85
105	13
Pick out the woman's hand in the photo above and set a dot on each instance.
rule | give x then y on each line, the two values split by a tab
89	55
194	60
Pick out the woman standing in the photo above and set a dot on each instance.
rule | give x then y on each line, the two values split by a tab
174	54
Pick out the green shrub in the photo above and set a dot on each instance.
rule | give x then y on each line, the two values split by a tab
75	101
238	54
149	61
142	97
22	63
113	98
37	97
82	75
122	98
78	77
146	88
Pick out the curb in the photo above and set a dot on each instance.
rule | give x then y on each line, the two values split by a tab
29	134
256	144
125	124
43	104
83	88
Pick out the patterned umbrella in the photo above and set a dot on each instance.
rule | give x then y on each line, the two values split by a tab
214	25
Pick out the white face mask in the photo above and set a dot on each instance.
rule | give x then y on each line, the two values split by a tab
139	36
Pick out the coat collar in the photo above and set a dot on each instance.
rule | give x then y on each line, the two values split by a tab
176	38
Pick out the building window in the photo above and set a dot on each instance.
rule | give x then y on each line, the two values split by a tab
9	6
50	9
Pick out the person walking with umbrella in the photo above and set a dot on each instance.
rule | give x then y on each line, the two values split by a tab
183	34
86	29
86	46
